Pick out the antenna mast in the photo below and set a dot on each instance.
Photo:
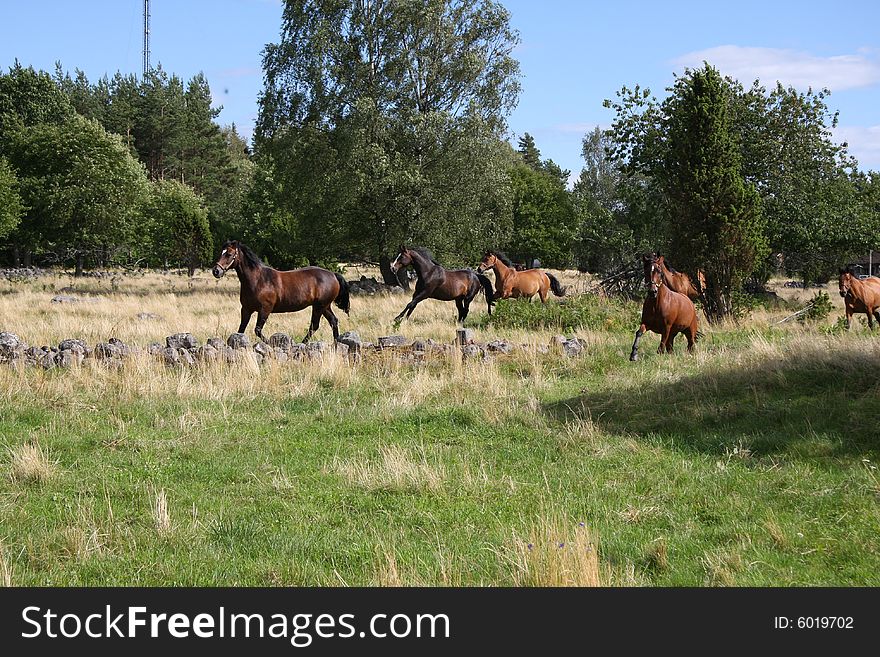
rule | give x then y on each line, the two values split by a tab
146	37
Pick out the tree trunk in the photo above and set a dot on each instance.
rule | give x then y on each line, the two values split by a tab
389	277
16	256
27	258
80	261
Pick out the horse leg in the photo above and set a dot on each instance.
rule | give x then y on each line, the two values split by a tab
245	319
418	297
542	292
664	339
262	316
870	314
332	320
313	326
848	318
465	309
691	338
670	342
634	355
459	303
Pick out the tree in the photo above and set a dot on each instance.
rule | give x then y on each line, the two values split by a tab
83	189
605	241
372	114
543	218
11	207
28	97
182	234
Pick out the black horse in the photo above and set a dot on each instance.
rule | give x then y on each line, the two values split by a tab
435	282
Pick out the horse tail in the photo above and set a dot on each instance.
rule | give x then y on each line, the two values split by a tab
557	288
699	336
343	300
487	289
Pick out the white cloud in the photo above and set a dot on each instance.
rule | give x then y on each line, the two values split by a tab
864	144
791	67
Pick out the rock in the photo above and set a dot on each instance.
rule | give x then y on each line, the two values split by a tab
185	356
500	346
353	340
471	351
181	341
108	351
74	345
230	353
63	298
392	341
238	341
48	360
11	347
170	355
217	343
318	346
281	355
557	342
281	340
207	353
419	346
123	348
147	316
155	349
396	289
572	347
33	355
464	336
69	358
261	349
342	349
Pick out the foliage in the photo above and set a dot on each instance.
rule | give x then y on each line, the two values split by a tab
580	312
544	220
380	123
83	189
818	308
11	207
182	234
687	151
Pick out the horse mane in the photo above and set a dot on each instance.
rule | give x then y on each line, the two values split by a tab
252	259
425	253
502	256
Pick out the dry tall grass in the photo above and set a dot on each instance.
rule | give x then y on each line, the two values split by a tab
30	463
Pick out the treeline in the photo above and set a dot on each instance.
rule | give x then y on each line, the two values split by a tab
123	171
384	122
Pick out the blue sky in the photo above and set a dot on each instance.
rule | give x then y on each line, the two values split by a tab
574	53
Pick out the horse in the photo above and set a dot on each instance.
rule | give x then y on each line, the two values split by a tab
512	283
859	296
265	290
435	282
679	281
665	311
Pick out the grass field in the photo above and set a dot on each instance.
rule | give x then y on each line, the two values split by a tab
752	462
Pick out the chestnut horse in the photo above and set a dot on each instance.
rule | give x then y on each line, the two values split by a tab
665	311
265	290
680	282
435	282
859	296
512	283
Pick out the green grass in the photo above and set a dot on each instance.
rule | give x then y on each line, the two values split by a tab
750	464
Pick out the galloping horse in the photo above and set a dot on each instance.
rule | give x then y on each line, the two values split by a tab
512	283
665	311
265	290
859	296
435	282
678	281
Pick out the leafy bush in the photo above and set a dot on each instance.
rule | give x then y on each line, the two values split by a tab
820	307
584	311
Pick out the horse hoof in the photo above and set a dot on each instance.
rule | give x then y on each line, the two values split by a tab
633	357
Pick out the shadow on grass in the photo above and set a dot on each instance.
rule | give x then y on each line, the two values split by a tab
810	401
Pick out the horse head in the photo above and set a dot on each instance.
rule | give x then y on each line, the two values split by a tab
403	259
845	281
653	274
229	258
488	261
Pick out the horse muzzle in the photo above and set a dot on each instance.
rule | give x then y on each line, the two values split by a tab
218	271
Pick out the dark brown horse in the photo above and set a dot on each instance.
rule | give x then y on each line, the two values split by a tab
859	296
679	281
509	282
435	282
265	290
665	312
